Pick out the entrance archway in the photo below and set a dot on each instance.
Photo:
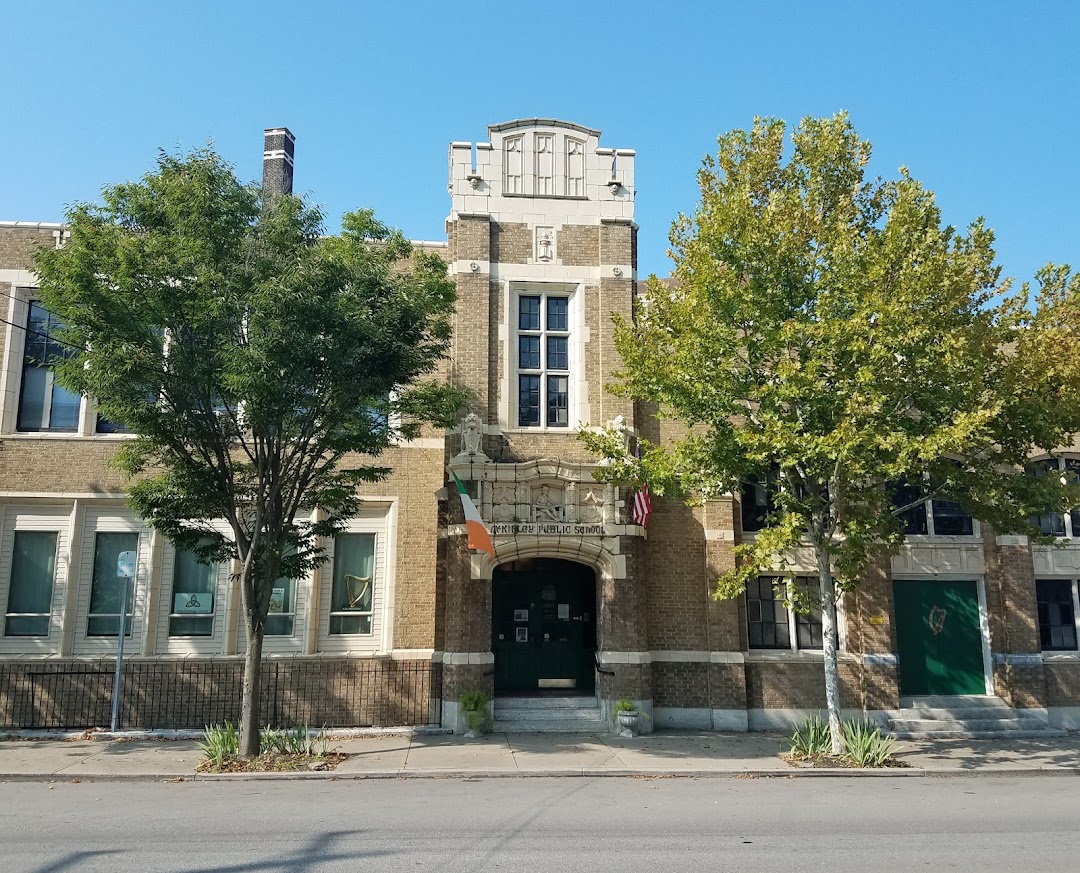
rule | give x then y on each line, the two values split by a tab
543	626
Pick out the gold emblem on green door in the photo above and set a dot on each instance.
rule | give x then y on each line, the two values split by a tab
936	620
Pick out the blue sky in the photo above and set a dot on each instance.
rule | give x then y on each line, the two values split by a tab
978	99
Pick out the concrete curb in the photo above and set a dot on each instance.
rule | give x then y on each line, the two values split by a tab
166	734
574	772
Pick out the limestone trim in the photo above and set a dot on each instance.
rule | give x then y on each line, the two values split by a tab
578	549
1026	659
415	655
670	656
517	123
459	659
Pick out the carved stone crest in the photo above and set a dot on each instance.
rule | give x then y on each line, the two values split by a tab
547	505
472	434
545	244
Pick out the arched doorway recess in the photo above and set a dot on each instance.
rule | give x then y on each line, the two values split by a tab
543	627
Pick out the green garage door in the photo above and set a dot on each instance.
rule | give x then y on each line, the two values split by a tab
938	638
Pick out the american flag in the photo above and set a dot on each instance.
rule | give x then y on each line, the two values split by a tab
641	506
641	503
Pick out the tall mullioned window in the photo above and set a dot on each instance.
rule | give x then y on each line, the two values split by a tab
43	404
106	587
30	593
1057	604
543	360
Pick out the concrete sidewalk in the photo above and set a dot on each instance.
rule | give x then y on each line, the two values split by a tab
669	753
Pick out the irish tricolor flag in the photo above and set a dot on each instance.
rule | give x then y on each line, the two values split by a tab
479	538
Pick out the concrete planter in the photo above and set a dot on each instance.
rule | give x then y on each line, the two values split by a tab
628	723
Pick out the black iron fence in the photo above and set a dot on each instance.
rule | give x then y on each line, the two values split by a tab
192	694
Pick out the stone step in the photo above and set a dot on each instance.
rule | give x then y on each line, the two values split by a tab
578	701
551	726
584	714
953	701
970	725
978	735
963	713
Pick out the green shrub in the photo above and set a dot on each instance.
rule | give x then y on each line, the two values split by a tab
220	742
622	705
865	745
812	738
474	706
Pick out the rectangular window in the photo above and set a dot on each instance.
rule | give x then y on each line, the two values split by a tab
1057	614
528	401
105	587
770	625
558	399
193	594
767	618
352	596
950	519
529	353
933	517
33	565
282	613
757	501
913	518
543	355
106	426
43	404
1056	524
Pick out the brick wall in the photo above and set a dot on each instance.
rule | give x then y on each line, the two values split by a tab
511	243
578	245
192	693
1062	683
18	244
795	684
677	590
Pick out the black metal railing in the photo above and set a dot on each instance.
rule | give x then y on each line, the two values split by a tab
192	694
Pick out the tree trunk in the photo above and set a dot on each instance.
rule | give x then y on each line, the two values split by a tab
251	702
829	646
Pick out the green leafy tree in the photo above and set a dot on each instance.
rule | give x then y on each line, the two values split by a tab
261	366
825	329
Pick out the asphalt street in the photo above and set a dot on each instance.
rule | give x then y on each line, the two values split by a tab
567	825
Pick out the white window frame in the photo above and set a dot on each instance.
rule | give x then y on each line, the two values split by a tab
211	644
111	520
45	519
1074	585
18	311
380	520
573	335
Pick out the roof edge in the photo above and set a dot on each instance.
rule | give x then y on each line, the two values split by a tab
541	122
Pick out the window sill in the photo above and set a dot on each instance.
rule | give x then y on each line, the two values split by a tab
812	656
1061	656
46	435
942	539
541	430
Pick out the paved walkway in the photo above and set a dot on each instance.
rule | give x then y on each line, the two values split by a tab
670	753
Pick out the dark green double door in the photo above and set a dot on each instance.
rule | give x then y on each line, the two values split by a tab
939	638
543	627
